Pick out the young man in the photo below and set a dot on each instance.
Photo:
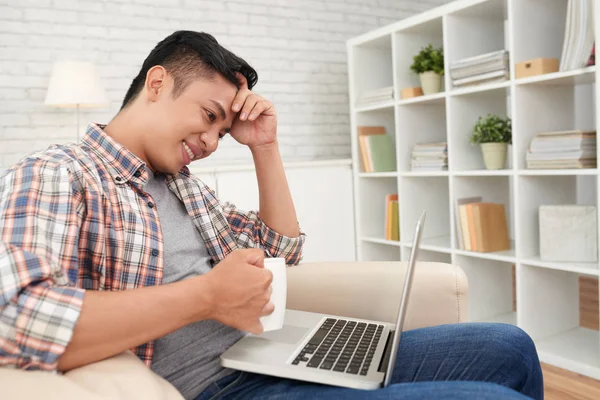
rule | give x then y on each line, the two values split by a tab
111	245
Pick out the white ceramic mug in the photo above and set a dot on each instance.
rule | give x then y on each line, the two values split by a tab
274	320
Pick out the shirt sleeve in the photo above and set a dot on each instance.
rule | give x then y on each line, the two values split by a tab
39	231
251	231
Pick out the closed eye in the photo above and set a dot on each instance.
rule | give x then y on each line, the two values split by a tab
212	117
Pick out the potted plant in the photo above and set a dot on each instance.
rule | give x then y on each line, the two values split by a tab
493	133
429	65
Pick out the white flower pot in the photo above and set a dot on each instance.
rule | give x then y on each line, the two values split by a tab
430	82
494	155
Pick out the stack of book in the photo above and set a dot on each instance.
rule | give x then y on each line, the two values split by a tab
377	152
481	226
375	96
578	42
392	223
562	149
430	157
484	68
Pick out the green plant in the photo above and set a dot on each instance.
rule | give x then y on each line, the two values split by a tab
492	129
429	59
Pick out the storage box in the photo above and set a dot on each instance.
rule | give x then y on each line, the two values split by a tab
537	66
568	233
407	93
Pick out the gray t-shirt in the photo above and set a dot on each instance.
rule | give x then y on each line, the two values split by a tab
189	357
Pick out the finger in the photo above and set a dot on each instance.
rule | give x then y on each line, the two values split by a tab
267	309
257	328
269	277
255	257
242	93
258	109
249	104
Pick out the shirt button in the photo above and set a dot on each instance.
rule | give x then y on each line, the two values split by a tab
137	173
154	252
150	204
118	179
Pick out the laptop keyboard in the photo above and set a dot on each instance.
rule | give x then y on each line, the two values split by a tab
342	346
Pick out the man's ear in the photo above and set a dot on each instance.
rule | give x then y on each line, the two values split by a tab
155	82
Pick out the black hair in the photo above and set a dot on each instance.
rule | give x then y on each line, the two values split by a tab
188	55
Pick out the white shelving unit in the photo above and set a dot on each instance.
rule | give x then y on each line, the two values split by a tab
513	286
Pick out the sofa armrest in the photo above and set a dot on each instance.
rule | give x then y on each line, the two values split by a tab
372	290
123	376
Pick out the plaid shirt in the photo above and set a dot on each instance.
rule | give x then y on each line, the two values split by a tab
76	218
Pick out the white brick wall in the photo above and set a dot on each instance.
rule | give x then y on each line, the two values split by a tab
297	47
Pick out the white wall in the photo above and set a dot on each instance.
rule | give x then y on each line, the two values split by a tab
298	48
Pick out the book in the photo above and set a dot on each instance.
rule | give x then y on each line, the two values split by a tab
431	156
578	43
483	225
458	219
483	68
377	150
562	149
392	225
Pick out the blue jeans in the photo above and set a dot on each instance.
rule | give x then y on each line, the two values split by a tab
462	361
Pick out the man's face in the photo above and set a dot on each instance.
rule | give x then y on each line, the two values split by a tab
187	128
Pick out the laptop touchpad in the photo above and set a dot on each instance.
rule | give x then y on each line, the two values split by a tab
288	334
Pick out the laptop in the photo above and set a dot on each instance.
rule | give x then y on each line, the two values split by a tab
328	349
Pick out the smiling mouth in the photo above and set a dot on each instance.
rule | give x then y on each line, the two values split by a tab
189	151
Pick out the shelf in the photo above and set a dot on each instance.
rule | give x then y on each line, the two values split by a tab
542	108
577	350
538	190
508	318
375	107
424	174
554	302
579	268
419	123
430	195
483	172
437	98
377	174
575	77
428	255
463	114
440	244
486	87
373	251
381	241
557	172
504	256
491	288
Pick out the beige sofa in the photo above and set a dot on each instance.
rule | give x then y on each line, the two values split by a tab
368	290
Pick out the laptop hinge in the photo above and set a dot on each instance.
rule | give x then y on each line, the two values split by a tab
386	353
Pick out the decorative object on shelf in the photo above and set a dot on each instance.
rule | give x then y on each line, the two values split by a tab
578	42
411	92
493	133
377	151
537	66
568	233
428	63
483	226
375	96
562	150
430	157
483	68
392	222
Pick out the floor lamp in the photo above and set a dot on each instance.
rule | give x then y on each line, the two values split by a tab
75	84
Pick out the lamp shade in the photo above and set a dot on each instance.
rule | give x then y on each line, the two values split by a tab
75	83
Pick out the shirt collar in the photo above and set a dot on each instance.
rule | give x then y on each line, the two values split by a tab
122	162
